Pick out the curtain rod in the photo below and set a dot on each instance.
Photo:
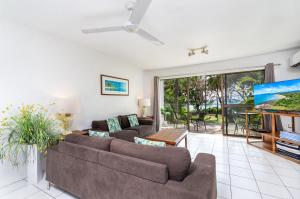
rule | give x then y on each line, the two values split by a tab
215	72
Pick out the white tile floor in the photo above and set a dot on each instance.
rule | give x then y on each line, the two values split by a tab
243	172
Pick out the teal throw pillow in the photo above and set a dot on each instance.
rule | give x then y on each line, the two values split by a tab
113	125
149	142
103	134
133	120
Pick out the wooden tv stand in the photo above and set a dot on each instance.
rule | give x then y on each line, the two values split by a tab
269	139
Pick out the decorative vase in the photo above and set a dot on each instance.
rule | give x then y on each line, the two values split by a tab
34	165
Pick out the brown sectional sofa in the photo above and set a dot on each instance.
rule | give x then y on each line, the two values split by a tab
127	133
109	168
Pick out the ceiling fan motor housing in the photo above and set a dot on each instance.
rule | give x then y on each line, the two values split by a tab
128	26
130	5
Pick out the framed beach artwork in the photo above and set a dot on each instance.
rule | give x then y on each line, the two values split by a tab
114	86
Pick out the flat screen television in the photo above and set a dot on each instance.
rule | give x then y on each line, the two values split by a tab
278	96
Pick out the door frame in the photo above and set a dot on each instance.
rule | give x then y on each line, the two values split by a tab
225	106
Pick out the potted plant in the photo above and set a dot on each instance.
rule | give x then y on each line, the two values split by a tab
25	134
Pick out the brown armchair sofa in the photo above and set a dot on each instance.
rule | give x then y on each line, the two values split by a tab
145	128
127	133
109	168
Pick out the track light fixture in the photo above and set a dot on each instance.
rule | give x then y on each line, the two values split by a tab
192	51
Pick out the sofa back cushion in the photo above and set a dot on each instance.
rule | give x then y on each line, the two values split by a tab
177	159
133	166
100	125
124	122
93	142
79	151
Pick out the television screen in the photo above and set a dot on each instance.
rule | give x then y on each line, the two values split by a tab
283	95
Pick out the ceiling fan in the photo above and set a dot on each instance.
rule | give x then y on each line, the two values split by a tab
137	11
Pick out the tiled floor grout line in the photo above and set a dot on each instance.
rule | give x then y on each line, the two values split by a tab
212	148
229	168
239	187
267	159
7	185
252	173
294	166
260	180
14	189
280	179
261	156
39	189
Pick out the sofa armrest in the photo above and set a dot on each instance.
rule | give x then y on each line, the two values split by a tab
201	180
144	121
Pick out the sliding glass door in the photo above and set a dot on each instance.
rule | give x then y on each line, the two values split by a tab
193	103
210	103
238	98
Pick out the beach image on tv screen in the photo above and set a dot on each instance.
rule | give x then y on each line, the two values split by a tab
283	95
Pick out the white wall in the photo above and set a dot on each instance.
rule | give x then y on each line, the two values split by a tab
38	68
282	72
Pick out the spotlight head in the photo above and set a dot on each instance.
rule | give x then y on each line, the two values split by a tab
205	51
191	53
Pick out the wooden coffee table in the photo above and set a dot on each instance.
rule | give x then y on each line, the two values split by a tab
170	136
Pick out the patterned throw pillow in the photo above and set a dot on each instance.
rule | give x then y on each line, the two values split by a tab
113	125
102	134
133	120
149	142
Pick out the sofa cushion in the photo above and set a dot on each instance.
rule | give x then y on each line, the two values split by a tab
133	120
143	130
100	125
93	142
113	125
177	159
124	121
79	151
103	134
140	168
127	135
149	142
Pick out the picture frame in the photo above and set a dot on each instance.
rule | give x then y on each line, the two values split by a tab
111	85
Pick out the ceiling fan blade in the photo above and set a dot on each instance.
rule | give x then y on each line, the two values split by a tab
105	29
149	37
139	11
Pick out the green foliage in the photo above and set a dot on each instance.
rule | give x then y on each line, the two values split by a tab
290	102
240	86
175	100
181	93
214	110
27	125
201	93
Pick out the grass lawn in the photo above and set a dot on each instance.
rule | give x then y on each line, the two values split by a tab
211	118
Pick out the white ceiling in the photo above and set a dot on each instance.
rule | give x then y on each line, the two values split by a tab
230	28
